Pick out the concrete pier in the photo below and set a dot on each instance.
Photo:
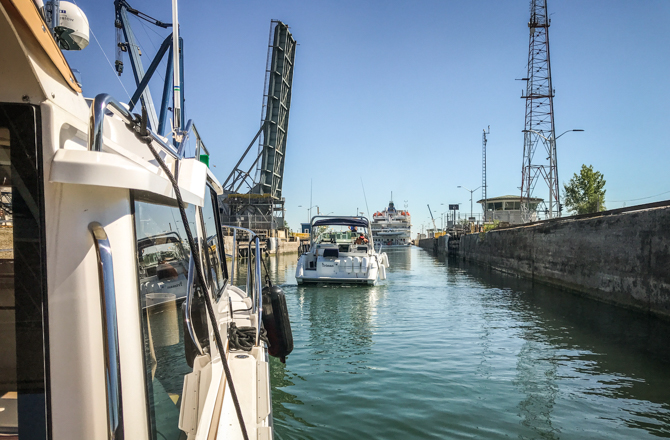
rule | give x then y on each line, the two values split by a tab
273	246
621	256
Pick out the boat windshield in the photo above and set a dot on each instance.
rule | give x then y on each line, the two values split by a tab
341	234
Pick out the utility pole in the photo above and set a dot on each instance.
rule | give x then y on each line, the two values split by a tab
539	120
484	168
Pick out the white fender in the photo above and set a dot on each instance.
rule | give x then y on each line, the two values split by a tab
382	272
357	264
299	268
349	264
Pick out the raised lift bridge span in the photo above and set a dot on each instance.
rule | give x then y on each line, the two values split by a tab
253	193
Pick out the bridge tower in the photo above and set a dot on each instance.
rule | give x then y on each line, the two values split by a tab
484	192
276	106
539	121
254	199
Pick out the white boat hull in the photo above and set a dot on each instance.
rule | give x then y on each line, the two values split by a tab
342	270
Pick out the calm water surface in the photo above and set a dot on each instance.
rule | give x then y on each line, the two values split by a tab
448	351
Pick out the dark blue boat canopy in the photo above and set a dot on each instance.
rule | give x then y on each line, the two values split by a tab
344	221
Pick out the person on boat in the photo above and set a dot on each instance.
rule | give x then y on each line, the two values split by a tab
361	239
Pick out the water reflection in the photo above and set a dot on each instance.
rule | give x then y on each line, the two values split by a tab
611	353
536	379
341	324
445	350
400	258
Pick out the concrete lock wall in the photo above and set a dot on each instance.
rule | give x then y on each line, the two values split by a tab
622	258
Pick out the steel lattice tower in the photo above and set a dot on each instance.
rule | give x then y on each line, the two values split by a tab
539	124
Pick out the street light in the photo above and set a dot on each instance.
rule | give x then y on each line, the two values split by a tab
552	165
471	191
309	211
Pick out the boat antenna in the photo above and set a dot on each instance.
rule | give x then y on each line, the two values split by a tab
366	199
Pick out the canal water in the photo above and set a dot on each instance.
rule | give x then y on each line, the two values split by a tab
443	350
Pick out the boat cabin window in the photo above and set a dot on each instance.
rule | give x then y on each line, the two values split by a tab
24	398
340	235
163	260
216	257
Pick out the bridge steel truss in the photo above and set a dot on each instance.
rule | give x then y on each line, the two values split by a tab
261	206
277	104
539	120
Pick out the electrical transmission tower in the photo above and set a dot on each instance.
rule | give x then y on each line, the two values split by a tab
539	124
484	169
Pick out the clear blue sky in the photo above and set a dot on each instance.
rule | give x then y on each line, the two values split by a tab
398	93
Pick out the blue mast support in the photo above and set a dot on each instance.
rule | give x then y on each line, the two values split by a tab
167	44
167	92
136	63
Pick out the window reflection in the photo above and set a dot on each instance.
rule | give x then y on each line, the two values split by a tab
23	351
163	257
215	252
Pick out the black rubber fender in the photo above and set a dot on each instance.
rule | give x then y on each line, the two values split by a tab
277	323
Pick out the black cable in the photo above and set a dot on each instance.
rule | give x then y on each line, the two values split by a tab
145	137
244	338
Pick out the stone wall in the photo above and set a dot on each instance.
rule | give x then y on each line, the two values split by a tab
618	257
426	243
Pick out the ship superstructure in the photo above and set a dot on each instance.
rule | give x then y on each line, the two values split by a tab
392	227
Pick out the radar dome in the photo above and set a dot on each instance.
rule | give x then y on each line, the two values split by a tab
73	28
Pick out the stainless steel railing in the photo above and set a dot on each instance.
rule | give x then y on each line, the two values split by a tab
254	281
110	331
189	300
100	105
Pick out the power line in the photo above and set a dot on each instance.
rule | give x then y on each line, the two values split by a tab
641	198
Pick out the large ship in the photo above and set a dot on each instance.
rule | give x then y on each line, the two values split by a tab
391	227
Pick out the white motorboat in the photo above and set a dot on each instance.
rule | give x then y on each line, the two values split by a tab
116	298
392	227
341	251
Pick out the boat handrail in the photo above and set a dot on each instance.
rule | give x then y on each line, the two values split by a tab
199	144
189	299
259	292
182	143
110	331
254	282
99	106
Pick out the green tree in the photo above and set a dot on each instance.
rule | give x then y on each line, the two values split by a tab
585	193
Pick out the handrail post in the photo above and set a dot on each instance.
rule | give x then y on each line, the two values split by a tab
96	122
110	332
249	271
189	300
258	287
98	108
232	271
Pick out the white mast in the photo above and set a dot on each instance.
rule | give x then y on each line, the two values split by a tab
176	82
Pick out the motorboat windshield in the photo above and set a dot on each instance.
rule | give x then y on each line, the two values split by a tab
341	235
341	230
